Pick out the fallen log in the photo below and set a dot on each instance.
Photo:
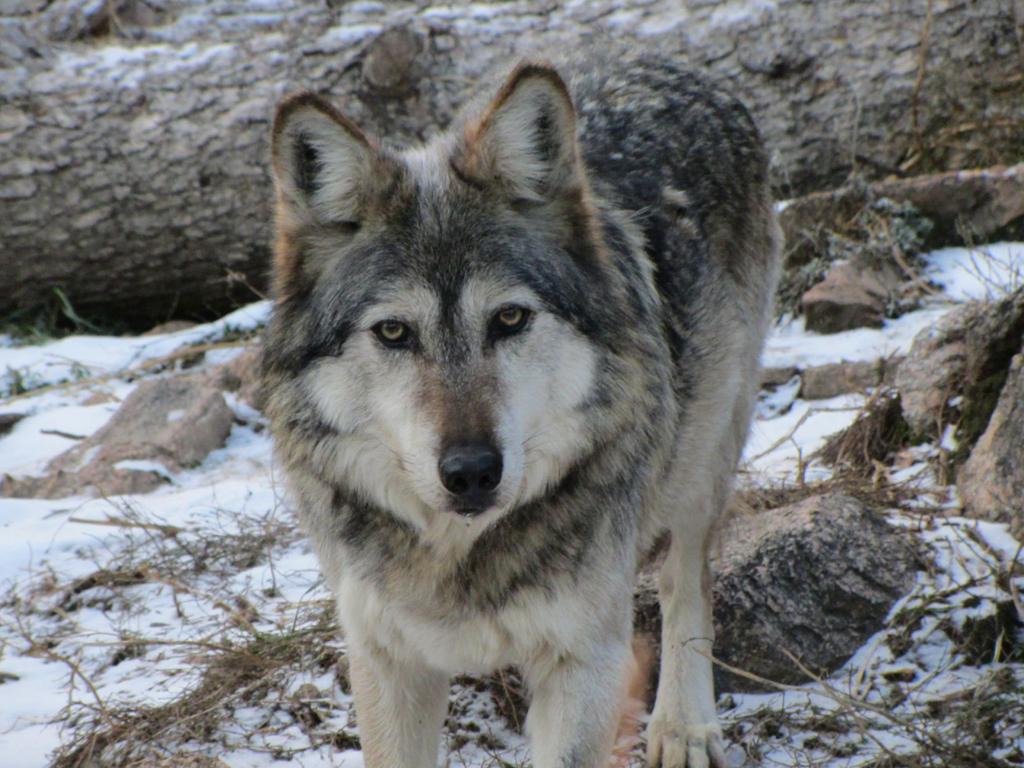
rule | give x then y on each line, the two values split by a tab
133	132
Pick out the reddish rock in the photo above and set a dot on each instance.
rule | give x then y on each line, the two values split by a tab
241	375
164	426
824	381
847	298
776	377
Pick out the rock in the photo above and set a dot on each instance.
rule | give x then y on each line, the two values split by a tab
847	298
966	355
241	375
164	426
991	482
979	203
815	578
99	398
824	381
8	420
776	377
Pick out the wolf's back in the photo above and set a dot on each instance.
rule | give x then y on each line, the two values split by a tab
649	124
666	143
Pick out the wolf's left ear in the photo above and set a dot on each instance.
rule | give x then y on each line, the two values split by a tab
321	160
525	141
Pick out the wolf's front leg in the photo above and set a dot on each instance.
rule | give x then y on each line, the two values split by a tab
576	706
684	731
400	706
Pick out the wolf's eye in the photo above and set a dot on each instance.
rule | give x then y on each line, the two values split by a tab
392	333
509	321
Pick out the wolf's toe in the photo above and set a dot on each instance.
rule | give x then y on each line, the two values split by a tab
675	745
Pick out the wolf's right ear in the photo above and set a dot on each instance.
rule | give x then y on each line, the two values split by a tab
320	160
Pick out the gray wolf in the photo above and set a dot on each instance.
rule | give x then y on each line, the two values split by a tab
499	368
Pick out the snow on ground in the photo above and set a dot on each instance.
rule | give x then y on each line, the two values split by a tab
111	608
777	444
81	358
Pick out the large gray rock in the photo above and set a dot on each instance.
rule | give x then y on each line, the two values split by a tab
816	578
966	354
164	426
992	481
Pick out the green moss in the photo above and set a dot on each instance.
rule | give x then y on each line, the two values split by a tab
979	402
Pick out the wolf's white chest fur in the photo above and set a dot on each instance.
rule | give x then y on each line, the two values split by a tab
527	631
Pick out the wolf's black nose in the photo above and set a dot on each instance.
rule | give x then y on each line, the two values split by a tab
471	472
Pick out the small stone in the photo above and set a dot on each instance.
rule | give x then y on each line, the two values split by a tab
776	377
8	420
171	326
307	692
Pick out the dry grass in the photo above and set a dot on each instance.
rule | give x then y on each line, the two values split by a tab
233	674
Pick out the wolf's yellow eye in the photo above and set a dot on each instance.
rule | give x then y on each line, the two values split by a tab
392	333
509	321
511	316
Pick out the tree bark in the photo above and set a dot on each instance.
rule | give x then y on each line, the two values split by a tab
133	133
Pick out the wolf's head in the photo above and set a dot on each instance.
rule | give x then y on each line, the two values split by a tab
444	313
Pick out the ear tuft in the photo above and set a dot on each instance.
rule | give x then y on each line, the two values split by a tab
320	160
525	141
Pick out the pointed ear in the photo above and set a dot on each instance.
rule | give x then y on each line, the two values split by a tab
321	160
524	143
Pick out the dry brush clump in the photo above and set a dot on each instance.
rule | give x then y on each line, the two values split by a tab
877	433
857	225
228	650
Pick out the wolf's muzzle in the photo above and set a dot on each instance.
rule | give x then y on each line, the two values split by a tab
471	472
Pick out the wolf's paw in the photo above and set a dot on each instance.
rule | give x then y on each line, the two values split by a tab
678	745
